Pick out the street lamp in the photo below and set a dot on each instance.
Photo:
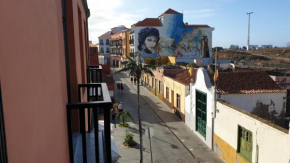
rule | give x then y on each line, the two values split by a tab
249	13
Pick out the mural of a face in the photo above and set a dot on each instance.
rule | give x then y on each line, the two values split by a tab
148	39
150	43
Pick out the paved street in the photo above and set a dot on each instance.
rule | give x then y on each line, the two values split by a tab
173	141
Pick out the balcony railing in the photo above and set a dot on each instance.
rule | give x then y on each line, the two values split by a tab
131	41
107	43
131	54
95	99
101	43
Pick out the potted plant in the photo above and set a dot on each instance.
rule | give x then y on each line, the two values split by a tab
124	115
128	140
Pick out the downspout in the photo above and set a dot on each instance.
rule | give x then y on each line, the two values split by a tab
215	102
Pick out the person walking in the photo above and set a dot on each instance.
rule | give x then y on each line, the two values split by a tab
131	79
113	113
122	88
120	107
135	80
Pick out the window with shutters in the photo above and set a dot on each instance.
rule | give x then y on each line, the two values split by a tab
167	93
245	143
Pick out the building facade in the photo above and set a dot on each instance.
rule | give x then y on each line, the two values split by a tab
168	35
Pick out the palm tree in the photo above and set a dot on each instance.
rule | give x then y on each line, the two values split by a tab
136	68
124	115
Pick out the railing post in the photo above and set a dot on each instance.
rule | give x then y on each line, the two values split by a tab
107	125
69	133
96	125
83	132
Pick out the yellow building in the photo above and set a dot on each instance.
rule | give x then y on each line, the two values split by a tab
176	88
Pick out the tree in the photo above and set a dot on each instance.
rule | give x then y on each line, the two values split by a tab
124	115
136	68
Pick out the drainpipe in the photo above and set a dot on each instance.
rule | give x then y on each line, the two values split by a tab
215	103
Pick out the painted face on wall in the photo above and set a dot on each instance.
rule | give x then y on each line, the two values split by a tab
150	43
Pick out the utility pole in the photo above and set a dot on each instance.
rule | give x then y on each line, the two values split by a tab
249	13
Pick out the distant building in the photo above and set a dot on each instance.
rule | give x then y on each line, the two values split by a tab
253	47
168	35
234	47
267	46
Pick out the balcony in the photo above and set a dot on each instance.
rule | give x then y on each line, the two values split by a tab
101	43
87	142
131	41
107	43
132	55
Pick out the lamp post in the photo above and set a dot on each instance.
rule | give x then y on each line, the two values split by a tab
249	13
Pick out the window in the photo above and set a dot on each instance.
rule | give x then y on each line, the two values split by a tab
152	82
245	143
178	101
167	93
160	87
3	151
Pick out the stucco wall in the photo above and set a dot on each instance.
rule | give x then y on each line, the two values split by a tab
263	105
272	141
184	44
202	84
33	81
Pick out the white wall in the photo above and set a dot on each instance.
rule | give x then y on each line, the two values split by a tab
247	102
274	144
202	84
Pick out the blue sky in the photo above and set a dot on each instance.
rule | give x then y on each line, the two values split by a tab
270	22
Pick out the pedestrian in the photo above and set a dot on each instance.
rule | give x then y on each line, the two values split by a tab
135	79
122	88
131	80
113	113
120	107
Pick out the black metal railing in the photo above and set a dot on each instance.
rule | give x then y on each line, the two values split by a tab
101	43
94	74
131	54
98	97
131	41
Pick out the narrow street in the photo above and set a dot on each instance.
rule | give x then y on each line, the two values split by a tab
173	141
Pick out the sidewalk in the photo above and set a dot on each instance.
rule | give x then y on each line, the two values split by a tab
194	150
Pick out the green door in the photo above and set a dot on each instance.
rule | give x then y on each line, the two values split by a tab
201	113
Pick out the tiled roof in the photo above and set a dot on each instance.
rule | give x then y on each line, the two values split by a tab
195	26
173	72
169	11
107	34
148	22
185	77
246	83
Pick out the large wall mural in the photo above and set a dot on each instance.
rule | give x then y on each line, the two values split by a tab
173	39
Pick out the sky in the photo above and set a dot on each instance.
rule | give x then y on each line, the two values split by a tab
270	22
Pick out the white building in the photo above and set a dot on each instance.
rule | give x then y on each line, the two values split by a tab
254	92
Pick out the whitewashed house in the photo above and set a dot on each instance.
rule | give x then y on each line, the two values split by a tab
254	92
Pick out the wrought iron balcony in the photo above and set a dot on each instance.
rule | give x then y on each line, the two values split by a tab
132	55
131	41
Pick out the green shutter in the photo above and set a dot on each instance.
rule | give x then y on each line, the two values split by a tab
201	113
245	145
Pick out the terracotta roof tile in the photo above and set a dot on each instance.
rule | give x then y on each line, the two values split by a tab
107	34
148	22
185	77
173	72
246	83
169	11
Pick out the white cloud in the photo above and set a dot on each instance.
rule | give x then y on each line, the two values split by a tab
105	15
